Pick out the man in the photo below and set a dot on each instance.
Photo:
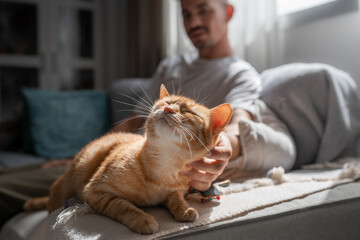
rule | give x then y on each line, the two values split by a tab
221	77
206	23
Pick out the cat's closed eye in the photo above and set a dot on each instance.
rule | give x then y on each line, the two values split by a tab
186	109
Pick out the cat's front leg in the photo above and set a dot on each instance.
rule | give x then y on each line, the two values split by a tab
179	208
121	210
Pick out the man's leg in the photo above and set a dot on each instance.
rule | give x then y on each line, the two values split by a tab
320	105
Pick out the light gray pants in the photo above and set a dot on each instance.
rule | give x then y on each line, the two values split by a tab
321	107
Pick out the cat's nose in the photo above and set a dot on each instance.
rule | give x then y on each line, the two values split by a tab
169	109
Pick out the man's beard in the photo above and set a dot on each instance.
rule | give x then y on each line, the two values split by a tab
200	44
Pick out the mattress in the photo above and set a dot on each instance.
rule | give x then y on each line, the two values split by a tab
330	214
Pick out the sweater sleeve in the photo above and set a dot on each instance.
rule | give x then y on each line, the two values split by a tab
266	143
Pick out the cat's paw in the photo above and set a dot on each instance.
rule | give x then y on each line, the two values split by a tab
188	215
145	225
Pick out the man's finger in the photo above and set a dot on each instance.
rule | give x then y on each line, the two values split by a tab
213	167
197	175
220	153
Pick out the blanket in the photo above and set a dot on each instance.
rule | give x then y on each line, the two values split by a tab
320	105
238	199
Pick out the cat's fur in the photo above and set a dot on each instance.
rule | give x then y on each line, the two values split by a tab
120	172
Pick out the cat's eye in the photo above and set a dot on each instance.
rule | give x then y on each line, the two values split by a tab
188	111
167	101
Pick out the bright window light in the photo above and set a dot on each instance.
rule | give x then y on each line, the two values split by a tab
289	6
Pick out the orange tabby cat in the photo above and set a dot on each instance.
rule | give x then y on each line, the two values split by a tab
120	172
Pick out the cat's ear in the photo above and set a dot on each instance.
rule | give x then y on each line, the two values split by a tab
163	92
220	117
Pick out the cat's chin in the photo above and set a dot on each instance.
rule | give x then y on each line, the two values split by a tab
167	131
163	126
165	123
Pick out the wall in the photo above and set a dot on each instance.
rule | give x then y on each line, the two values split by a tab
334	40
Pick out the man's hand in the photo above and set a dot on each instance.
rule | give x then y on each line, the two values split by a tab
204	171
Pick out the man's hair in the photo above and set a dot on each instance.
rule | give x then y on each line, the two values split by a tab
221	1
224	1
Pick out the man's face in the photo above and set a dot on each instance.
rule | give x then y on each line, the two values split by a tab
205	21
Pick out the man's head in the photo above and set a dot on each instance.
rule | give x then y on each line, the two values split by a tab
205	21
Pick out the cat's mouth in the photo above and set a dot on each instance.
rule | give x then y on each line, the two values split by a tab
168	121
163	121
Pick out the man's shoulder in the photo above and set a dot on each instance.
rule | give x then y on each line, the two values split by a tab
240	65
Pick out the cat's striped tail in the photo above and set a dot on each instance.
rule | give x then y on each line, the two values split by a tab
35	204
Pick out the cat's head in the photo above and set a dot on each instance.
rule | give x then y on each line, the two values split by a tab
182	124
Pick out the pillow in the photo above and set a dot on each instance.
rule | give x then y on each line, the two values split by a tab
59	124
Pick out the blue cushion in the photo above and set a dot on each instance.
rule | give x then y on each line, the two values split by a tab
16	159
61	123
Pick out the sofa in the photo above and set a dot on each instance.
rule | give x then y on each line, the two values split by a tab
331	212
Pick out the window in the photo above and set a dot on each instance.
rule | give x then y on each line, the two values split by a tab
298	12
286	7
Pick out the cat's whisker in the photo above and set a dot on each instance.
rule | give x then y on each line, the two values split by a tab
203	100
132	105
151	101
170	120
149	104
199	140
179	118
137	101
180	86
198	96
128	104
177	131
128	119
183	131
192	134
141	129
176	119
132	110
173	88
187	143
187	131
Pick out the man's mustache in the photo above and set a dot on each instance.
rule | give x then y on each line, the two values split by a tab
197	28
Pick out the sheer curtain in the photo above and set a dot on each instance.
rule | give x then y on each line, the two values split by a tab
253	32
174	35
